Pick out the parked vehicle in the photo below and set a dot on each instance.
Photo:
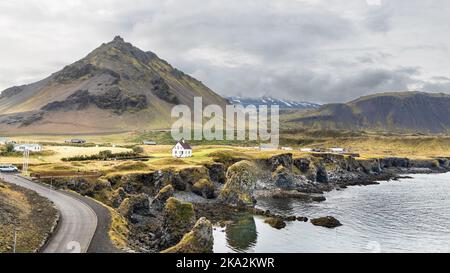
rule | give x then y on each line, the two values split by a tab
8	169
75	141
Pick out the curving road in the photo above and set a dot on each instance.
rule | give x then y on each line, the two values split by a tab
77	223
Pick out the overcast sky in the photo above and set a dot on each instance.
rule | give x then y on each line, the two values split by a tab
308	50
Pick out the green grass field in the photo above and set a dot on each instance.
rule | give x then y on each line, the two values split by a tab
368	145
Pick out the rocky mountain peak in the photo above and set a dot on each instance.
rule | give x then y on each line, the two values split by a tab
121	87
118	39
119	51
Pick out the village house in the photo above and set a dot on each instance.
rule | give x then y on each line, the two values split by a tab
30	147
149	142
76	141
337	150
182	149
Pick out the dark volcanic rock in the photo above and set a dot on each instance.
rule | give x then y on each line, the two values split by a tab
24	119
161	198
321	174
199	240
284	160
28	120
370	166
303	164
318	198
189	176
113	99
118	196
430	164
444	163
217	172
162	91
136	205
395	162
291	194
204	188
179	218
240	185
10	92
302	219
80	70
328	222
275	223
283	178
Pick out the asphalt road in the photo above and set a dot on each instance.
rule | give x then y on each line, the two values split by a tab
78	222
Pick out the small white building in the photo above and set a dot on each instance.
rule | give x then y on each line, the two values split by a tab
182	149
30	147
337	150
306	150
287	149
149	142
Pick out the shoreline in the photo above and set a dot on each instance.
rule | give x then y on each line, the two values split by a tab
316	193
367	215
230	186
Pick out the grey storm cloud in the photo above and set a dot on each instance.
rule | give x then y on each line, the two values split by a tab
316	50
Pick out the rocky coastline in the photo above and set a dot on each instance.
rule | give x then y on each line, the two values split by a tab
169	210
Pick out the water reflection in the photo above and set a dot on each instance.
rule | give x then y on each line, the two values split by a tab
242	234
400	216
284	206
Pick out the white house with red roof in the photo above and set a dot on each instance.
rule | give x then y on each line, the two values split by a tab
182	149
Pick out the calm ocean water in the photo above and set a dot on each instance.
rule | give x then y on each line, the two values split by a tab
410	215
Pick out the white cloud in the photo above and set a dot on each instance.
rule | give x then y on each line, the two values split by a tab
320	50
222	57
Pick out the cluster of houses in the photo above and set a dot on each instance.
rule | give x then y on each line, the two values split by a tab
182	149
31	147
334	150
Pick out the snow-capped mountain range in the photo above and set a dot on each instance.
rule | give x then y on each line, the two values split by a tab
284	104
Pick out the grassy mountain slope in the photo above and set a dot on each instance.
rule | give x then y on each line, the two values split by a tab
117	87
397	112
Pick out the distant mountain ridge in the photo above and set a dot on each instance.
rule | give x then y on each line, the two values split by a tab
116	87
396	111
284	104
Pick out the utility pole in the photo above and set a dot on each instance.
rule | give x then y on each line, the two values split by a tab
15	239
26	157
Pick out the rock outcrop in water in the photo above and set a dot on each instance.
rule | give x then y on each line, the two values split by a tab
179	218
199	240
328	222
283	178
240	185
275	223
